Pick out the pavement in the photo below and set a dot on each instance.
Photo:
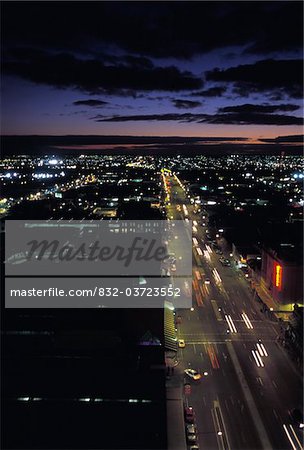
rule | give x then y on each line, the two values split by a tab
250	385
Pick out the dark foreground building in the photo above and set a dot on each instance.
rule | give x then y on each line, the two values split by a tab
83	379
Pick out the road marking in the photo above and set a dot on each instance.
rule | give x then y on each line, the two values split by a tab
275	414
249	399
260	381
194	348
274	383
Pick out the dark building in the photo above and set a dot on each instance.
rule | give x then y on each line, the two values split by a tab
83	379
282	273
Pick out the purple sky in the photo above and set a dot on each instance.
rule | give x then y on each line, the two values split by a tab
187	69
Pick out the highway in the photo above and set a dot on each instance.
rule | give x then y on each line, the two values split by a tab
250	385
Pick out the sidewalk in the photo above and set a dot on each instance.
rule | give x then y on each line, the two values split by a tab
279	311
175	415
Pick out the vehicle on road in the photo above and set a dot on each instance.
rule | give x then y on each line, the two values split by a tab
207	281
189	414
191	433
193	374
181	343
194	447
225	262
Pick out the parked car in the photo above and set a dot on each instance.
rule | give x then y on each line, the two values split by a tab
191	433
193	374
189	414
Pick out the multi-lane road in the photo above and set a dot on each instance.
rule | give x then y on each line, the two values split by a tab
243	401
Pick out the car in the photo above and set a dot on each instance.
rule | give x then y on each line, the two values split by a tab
181	343
218	251
191	433
207	281
191	428
191	438
296	416
194	447
189	414
225	262
173	268
193	374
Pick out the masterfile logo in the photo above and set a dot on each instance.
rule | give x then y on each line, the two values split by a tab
104	248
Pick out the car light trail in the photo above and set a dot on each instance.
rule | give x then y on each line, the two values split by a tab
247	321
293	439
194	229
207	256
262	350
257	358
216	276
213	357
195	223
209	249
295	436
198	275
195	241
199	251
230	324
185	210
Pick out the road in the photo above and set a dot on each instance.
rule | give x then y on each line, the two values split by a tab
244	400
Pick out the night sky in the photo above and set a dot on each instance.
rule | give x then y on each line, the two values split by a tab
160	69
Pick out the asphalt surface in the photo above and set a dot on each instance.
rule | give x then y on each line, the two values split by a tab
244	401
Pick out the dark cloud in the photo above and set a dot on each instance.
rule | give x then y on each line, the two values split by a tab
185	104
227	119
254	119
248	108
158	29
91	102
93	76
211	92
266	75
295	138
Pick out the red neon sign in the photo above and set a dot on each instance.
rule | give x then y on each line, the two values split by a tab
278	276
